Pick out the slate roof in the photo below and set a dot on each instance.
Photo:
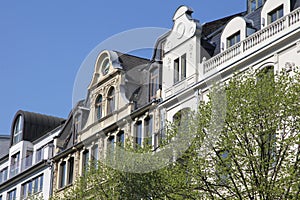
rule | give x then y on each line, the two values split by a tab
4	145
135	86
130	62
210	27
35	125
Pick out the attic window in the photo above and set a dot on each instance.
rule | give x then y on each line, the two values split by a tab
275	14
105	67
18	128
254	4
233	39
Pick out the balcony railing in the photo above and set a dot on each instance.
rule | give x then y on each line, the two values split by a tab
268	33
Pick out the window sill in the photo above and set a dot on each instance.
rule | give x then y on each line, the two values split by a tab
64	187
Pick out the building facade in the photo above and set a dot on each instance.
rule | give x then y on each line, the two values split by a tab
26	170
130	99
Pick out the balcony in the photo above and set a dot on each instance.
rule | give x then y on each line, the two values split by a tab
265	36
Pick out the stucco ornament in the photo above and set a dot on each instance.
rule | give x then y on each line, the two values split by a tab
184	28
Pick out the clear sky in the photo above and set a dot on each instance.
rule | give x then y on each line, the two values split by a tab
43	43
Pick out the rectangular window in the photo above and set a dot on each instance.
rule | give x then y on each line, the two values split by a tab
275	14
12	195
254	4
33	186
41	182
111	144
121	139
36	185
24	190
28	159
62	175
71	170
95	156
14	167
176	70
233	39
148	130
138	133
154	83
3	175
180	69
85	161
39	155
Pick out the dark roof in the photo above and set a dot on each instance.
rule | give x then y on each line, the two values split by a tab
4	145
36	125
295	4
136	78
129	62
210	27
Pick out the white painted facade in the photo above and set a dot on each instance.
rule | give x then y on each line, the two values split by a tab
276	44
34	170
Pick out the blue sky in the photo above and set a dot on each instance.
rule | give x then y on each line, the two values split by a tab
43	43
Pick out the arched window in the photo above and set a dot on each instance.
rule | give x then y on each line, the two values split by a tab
181	117
17	137
99	107
111	100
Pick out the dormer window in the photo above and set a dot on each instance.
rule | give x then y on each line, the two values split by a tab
105	67
275	14
17	137
233	39
254	4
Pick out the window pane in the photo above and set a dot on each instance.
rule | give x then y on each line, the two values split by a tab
41	182
99	107
275	14
154	83
183	67
29	187
138	133
111	101
39	154
176	70
232	40
24	190
253	5
259	2
85	161
62	174
18	130
121	139
36	185
148	130
71	170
